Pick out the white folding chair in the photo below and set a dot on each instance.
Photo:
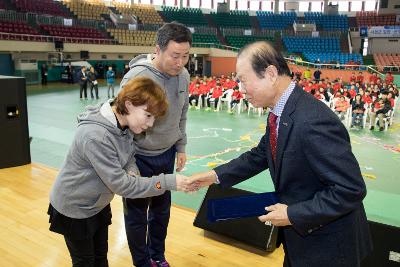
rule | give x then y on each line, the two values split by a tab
226	98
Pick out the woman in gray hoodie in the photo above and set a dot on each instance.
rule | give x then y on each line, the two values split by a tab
101	163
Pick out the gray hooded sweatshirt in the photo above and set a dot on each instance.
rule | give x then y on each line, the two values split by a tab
99	164
170	129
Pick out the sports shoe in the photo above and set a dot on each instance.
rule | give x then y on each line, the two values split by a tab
163	263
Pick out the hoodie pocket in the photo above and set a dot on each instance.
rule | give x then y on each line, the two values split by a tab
103	200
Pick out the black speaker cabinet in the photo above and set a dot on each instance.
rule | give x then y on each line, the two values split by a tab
385	239
14	134
247	230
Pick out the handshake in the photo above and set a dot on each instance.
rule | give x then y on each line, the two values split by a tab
193	183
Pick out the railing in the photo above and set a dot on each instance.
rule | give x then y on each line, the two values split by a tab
254	32
43	38
214	45
205	30
336	34
11	15
51	39
370	68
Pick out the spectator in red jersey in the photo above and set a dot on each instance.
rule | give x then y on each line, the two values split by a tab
366	98
353	77
204	90
211	82
379	82
391	99
341	107
222	79
194	93
314	86
389	78
360	78
214	95
229	84
236	96
372	78
352	92
308	87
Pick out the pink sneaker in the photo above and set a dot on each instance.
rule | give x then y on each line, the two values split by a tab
163	263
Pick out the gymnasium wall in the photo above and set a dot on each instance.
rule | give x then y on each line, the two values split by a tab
222	65
331	74
390	9
384	45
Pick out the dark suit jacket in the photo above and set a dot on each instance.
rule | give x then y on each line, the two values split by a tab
318	177
80	76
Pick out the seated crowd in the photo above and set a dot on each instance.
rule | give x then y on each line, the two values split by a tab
356	101
207	90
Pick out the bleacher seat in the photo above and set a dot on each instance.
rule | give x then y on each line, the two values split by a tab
18	27
138	38
382	59
147	14
330	57
240	41
88	9
327	22
234	18
371	18
296	44
49	7
187	16
73	32
204	40
269	20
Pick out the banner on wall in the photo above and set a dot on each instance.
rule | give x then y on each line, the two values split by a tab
132	27
67	22
364	31
384	31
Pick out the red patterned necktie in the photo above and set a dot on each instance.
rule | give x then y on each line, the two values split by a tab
272	133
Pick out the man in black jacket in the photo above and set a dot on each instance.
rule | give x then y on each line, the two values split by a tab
82	78
321	217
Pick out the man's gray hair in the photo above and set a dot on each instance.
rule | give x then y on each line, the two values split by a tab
262	54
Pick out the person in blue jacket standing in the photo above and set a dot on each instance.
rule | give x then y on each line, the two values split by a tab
110	76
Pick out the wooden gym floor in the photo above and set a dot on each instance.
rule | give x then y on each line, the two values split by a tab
26	241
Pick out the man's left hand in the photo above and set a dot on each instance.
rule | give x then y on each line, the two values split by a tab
180	161
277	215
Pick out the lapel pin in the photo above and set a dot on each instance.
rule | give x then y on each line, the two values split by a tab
285	123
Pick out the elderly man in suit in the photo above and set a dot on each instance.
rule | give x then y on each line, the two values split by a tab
307	150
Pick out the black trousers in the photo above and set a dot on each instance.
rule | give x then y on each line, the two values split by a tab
90	252
146	219
83	89
96	90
